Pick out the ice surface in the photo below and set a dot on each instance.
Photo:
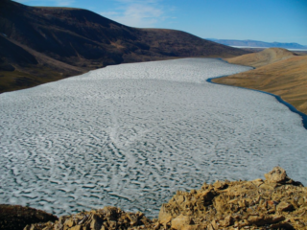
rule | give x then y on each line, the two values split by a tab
131	135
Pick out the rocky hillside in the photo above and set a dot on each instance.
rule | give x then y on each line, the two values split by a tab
277	202
278	71
42	44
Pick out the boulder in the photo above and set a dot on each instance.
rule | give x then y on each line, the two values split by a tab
277	175
181	222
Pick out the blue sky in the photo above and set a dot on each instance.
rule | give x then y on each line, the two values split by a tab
263	20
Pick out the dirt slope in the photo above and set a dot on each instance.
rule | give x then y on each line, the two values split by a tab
281	73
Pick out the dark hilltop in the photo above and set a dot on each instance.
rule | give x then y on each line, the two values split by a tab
43	44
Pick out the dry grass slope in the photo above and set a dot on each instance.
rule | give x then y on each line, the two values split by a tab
262	58
278	71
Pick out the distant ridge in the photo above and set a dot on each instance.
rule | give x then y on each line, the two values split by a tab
258	44
42	44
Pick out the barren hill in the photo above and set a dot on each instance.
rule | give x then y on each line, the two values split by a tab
262	58
41	44
279	72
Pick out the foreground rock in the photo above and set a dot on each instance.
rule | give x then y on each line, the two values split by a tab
102	219
274	203
15	217
277	202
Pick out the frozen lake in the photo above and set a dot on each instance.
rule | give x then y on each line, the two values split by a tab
131	135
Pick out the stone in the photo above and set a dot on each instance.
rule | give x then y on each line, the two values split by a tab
180	221
284	206
133	219
258	182
219	185
96	223
277	175
164	216
77	227
207	196
227	221
70	222
192	227
214	224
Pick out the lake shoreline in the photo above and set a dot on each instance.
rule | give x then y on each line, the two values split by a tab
98	131
278	98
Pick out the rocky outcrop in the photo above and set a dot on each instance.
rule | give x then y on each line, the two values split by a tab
16	217
277	202
102	219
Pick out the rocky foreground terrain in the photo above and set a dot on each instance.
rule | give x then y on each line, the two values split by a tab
277	202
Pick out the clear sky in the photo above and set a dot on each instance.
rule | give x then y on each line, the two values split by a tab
263	20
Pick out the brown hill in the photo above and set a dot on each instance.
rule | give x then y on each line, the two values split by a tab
262	58
41	44
281	73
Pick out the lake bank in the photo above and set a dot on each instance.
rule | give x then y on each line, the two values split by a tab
278	98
